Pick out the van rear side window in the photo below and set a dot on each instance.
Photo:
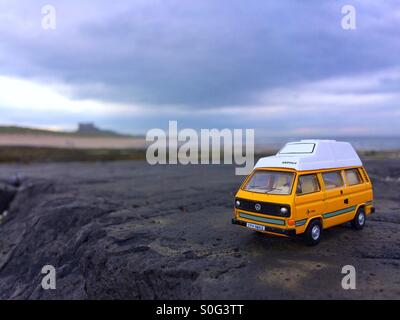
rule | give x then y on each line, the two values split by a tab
333	180
352	177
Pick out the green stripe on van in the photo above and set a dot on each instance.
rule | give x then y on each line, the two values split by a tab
369	203
300	223
261	219
338	212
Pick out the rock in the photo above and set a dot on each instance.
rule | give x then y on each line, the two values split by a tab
7	194
95	224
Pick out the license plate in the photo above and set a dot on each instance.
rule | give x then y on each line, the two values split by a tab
255	226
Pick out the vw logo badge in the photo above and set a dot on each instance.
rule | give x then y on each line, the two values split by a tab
257	207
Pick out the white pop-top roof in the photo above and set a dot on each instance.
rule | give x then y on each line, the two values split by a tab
312	155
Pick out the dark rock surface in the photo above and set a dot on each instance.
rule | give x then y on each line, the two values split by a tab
131	231
7	194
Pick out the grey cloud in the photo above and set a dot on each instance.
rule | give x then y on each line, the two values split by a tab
199	54
176	57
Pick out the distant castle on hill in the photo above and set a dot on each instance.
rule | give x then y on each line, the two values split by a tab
89	128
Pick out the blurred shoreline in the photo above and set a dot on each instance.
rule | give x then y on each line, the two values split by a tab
25	145
33	154
71	141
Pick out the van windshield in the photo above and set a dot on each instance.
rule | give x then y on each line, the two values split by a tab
270	182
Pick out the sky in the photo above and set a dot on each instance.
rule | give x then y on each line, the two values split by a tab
284	68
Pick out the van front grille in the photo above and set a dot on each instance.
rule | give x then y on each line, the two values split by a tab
267	208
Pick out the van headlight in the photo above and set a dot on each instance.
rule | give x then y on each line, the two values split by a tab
284	210
237	202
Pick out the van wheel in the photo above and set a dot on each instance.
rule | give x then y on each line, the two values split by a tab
359	220
312	235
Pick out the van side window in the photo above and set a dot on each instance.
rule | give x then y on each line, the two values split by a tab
307	183
352	177
332	180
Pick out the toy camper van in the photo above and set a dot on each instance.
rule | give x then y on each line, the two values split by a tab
306	187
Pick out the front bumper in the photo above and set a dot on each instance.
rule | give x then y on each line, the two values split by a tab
285	232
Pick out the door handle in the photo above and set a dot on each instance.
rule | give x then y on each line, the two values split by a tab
346	201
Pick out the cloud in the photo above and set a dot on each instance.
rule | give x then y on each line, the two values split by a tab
20	94
283	64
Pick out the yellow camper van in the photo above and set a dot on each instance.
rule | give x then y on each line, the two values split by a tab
306	187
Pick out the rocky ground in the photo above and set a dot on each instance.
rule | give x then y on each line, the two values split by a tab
126	230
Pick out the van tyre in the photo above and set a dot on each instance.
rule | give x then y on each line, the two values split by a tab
359	220
312	235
